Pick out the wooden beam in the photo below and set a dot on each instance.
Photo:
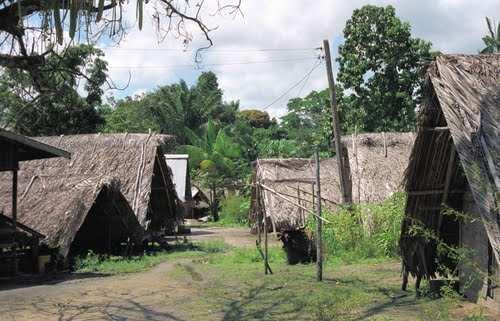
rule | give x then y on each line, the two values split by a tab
14	218
435	129
319	236
292	202
447	183
434	192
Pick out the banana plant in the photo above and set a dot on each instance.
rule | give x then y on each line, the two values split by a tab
214	156
492	41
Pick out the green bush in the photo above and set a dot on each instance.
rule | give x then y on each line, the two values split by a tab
365	230
234	210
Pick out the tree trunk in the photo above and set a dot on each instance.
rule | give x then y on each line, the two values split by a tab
214	204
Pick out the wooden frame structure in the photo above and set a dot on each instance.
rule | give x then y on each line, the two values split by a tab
17	148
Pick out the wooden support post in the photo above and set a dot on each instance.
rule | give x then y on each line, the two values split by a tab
14	219
447	182
301	212
346	199
266	261
319	223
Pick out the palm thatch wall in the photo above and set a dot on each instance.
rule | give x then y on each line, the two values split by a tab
376	164
57	194
457	149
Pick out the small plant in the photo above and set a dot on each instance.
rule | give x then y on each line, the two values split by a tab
88	262
351	240
234	210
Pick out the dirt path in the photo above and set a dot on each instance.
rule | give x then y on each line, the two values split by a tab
140	296
152	295
233	236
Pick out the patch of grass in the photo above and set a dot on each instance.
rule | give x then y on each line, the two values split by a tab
118	264
363	230
228	283
366	290
234	211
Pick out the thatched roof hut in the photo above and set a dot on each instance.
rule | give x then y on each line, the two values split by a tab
455	161
376	166
124	171
288	182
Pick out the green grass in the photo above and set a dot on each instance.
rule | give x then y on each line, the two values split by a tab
228	283
367	290
118	264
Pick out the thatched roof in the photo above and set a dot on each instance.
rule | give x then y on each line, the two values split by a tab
293	179
459	120
27	148
377	163
56	194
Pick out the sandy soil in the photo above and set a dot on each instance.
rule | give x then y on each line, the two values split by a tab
140	296
151	295
233	236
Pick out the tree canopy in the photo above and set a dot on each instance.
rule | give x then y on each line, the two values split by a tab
380	66
172	108
32	30
52	103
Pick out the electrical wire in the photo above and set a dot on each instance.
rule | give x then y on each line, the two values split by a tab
210	50
294	85
209	65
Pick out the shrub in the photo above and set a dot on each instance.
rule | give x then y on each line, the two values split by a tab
364	230
234	210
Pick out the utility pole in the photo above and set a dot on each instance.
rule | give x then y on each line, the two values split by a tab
336	126
319	223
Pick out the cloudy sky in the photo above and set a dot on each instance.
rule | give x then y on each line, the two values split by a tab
259	56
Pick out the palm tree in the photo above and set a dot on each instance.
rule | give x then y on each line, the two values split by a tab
492	41
214	155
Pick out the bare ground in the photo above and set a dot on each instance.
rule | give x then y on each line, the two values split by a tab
151	295
187	289
231	235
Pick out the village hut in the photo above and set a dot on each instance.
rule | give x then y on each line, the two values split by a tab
18	242
201	203
455	164
376	165
114	188
287	187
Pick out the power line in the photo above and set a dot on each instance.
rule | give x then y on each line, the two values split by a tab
211	65
210	50
294	85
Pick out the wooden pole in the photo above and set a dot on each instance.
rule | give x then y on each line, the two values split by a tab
319	223
266	261
336	125
14	218
447	183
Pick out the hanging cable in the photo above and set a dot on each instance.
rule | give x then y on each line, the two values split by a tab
294	85
212	65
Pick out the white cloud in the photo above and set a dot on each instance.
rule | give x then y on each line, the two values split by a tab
453	26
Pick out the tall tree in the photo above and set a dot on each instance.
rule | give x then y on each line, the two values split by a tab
492	40
31	30
380	64
53	104
172	108
207	100
256	118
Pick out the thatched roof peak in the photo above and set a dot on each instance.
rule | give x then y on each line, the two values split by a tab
56	194
459	130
